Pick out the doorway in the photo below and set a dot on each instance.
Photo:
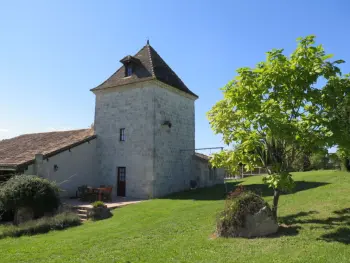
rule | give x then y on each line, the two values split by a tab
121	181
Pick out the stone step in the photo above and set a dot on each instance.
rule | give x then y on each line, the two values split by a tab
82	212
83	215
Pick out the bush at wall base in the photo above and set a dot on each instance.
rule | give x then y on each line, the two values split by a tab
31	194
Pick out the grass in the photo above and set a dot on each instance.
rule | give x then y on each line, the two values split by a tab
179	229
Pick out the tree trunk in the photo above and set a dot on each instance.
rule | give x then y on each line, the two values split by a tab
346	164
276	196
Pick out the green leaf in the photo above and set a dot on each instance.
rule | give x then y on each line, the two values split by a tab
327	56
339	61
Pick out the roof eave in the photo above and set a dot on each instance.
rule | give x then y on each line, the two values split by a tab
7	167
88	139
15	167
186	93
202	157
100	87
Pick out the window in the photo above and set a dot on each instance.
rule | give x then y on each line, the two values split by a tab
122	135
128	70
121	174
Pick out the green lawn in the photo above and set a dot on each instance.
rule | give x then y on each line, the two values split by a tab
179	228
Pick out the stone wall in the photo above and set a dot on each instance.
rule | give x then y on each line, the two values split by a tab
173	164
129	107
206	176
155	164
73	168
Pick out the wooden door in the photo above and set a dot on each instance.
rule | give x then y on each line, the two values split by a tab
121	181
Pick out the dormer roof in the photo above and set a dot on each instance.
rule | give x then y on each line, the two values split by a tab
129	59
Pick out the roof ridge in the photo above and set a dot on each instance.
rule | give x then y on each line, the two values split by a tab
167	65
150	59
49	132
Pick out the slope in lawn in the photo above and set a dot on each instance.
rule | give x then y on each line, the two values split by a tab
179	228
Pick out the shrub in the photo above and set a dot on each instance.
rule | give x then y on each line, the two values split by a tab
33	192
236	209
98	204
238	191
42	225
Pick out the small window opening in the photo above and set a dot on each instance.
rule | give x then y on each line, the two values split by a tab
122	135
128	70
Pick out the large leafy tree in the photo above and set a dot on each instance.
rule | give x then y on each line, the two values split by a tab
277	111
339	124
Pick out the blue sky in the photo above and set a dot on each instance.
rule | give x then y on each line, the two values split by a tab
53	52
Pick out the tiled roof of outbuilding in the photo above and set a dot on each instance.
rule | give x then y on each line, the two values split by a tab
202	156
22	149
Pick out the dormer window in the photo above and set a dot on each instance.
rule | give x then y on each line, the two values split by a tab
128	70
130	63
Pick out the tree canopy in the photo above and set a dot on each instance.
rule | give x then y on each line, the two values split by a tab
280	109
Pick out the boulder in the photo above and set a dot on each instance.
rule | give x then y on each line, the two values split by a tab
258	225
99	213
246	214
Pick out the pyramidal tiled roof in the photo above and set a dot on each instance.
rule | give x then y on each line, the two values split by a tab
148	65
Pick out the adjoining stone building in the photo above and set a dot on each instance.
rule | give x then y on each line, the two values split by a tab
142	143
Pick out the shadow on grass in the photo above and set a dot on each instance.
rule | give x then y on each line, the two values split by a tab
264	190
341	235
338	224
295	218
285	230
218	192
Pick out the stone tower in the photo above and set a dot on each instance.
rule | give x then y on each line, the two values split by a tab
144	119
